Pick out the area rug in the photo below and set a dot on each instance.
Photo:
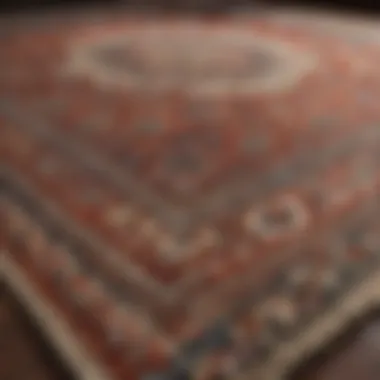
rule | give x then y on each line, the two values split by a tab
190	198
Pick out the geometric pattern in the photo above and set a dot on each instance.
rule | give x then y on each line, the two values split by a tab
191	199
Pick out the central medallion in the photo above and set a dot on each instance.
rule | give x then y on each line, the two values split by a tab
192	59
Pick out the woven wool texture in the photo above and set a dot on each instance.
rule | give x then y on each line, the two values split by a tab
190	198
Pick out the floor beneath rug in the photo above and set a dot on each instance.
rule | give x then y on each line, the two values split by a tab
356	355
23	353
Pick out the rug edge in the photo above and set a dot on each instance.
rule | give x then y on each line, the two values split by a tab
355	305
50	324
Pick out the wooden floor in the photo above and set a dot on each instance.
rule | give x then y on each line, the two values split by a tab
23	355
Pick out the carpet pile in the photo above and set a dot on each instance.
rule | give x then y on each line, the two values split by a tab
190	198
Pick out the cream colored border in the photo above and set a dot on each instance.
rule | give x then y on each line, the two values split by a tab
357	303
363	298
50	323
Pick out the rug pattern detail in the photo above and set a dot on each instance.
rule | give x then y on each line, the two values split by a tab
190	196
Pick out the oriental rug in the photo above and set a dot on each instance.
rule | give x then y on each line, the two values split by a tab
190	198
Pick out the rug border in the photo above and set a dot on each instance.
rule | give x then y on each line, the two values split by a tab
364	298
359	301
50	323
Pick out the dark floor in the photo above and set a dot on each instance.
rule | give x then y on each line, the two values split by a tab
23	355
354	356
